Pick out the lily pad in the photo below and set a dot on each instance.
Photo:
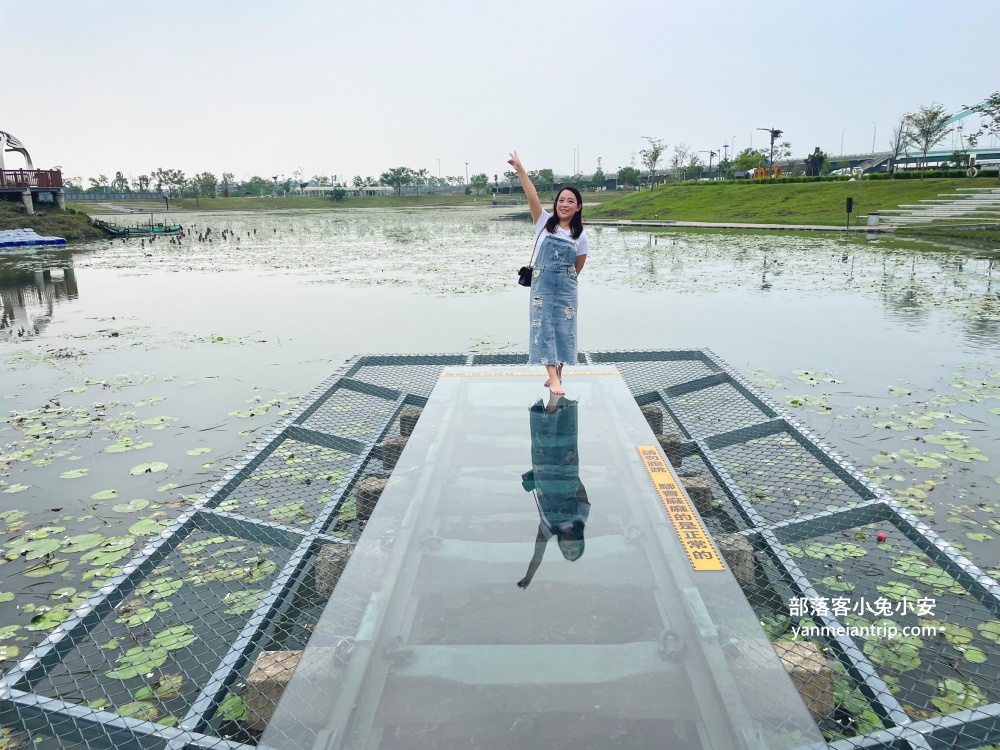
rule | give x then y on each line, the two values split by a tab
232	708
990	631
242	602
82	542
131	506
16	488
133	617
898	591
954	695
146	527
148	468
137	661
168	686
6	653
199	451
74	473
173	639
104	495
139	709
124	445
160	588
112	550
34	549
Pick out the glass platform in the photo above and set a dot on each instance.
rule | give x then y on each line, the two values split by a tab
533	576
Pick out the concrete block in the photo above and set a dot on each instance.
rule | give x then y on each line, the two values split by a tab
330	563
369	491
392	448
810	673
654	416
738	554
699	490
408	420
265	684
671	445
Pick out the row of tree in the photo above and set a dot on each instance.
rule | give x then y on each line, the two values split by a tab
918	132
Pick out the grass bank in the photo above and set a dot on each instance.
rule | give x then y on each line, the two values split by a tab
285	204
48	220
775	203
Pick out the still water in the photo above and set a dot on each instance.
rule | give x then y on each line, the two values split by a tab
134	374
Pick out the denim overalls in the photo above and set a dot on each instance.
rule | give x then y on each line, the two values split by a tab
553	303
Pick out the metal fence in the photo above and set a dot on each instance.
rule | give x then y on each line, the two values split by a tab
169	653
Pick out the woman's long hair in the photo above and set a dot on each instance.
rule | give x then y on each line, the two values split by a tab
576	223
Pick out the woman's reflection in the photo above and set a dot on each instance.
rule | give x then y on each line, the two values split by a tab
554	480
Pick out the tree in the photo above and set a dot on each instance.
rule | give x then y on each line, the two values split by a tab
257	186
629	176
339	193
750	158
695	166
99	184
651	156
205	183
679	159
480	182
142	182
321	179
397	177
420	178
358	182
546	178
927	128
897	141
598	179
511	176
989	111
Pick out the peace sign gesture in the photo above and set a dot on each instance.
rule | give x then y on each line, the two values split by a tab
515	161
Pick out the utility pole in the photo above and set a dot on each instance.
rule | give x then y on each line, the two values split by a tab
467	174
775	135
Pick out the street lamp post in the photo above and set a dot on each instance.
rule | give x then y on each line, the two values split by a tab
775	134
751	138
439	169
466	174
842	142
874	131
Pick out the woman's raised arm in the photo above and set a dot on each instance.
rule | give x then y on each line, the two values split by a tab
534	205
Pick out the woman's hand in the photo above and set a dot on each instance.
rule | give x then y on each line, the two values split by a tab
515	162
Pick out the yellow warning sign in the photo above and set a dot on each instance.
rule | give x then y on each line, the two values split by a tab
686	522
533	373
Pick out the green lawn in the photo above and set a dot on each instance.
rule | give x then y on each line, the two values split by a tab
776	203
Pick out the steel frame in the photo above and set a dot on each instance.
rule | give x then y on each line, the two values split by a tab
21	707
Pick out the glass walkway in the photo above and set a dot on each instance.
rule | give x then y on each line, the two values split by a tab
534	576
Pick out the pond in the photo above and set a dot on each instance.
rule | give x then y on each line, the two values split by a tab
136	373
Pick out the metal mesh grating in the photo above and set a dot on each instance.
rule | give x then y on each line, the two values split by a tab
235	580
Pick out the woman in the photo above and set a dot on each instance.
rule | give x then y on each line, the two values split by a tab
560	251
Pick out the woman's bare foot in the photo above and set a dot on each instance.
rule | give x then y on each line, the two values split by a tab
559	377
556	389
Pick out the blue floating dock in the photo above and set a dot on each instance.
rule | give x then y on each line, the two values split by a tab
20	239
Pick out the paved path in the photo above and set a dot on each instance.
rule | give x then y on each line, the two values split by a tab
735	225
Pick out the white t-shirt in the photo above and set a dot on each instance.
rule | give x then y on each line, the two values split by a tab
582	247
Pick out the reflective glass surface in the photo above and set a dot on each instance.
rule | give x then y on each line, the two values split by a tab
519	585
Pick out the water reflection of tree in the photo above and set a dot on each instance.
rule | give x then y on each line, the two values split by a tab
28	298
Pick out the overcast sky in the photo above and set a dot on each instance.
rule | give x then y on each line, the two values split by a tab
346	88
